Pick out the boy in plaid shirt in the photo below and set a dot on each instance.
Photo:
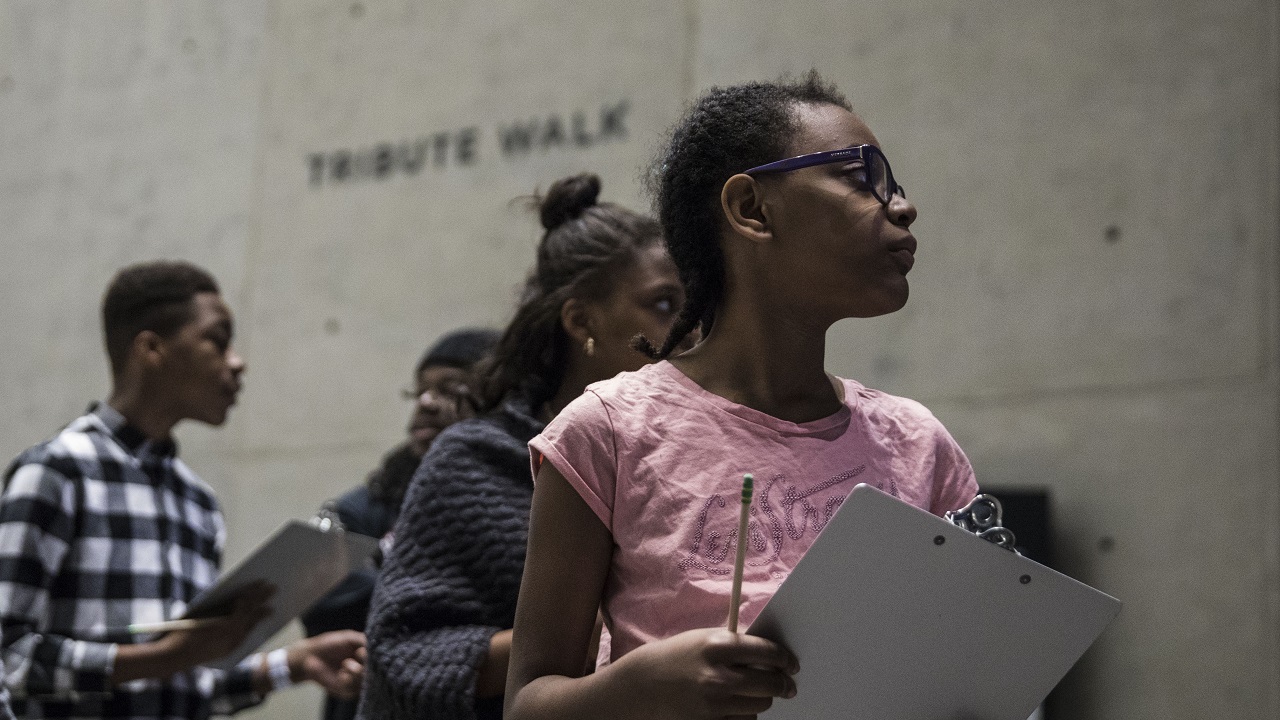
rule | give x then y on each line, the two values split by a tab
103	527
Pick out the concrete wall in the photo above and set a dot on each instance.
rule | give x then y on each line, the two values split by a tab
1094	307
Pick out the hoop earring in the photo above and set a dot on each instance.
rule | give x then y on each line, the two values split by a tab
590	347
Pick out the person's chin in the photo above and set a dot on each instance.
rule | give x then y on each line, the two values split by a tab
900	300
884	303
214	418
421	438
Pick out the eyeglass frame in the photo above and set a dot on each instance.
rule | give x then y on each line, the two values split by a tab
458	393
854	152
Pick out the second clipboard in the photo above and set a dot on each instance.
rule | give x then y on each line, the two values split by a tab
302	561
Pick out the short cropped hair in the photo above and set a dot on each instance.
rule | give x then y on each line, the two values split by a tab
155	296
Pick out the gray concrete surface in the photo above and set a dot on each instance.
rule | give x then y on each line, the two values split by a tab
1094	307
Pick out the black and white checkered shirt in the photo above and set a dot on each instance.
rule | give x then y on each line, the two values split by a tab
6	711
101	528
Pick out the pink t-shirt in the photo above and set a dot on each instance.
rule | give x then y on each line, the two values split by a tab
660	461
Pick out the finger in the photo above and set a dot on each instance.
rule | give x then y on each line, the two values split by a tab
247	605
733	649
353	680
257	591
345	684
344	694
353	638
332	685
245	622
345	691
757	682
217	628
249	610
325	677
240	627
346	641
744	706
352	666
263	588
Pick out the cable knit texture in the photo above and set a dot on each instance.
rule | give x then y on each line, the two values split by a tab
451	579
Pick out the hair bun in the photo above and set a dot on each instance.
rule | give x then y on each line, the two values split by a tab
568	198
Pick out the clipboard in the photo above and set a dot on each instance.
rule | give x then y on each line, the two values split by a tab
302	560
897	614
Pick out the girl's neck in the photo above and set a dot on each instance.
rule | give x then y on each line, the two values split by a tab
574	382
766	362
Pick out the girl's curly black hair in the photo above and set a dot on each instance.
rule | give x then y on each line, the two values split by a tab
726	131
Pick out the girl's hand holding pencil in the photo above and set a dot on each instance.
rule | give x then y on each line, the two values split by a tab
709	673
715	673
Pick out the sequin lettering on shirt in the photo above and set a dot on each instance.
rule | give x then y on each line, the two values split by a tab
710	553
788	513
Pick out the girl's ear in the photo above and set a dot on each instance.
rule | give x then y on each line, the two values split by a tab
575	318
742	202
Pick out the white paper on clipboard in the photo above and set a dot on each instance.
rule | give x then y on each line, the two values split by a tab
302	561
897	614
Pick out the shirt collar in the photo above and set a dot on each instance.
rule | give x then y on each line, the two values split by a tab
133	439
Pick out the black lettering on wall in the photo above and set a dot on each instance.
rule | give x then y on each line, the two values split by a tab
440	148
552	132
340	165
383	161
316	163
464	147
613	121
412	156
517	138
581	137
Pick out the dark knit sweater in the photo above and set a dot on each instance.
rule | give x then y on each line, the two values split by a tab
451	578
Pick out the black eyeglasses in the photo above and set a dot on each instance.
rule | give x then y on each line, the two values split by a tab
879	175
450	391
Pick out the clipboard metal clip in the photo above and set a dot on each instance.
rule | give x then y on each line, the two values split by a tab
326	518
982	517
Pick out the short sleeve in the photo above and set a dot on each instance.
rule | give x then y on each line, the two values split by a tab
580	443
954	483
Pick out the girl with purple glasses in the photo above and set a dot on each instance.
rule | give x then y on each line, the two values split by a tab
783	217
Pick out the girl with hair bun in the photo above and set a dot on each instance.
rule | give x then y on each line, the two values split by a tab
783	217
439	630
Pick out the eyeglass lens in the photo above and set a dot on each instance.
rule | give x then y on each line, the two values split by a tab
880	177
451	391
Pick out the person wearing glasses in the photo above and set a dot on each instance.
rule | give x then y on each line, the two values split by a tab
440	623
783	216
442	394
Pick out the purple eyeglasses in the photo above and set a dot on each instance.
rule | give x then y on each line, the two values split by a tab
879	176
